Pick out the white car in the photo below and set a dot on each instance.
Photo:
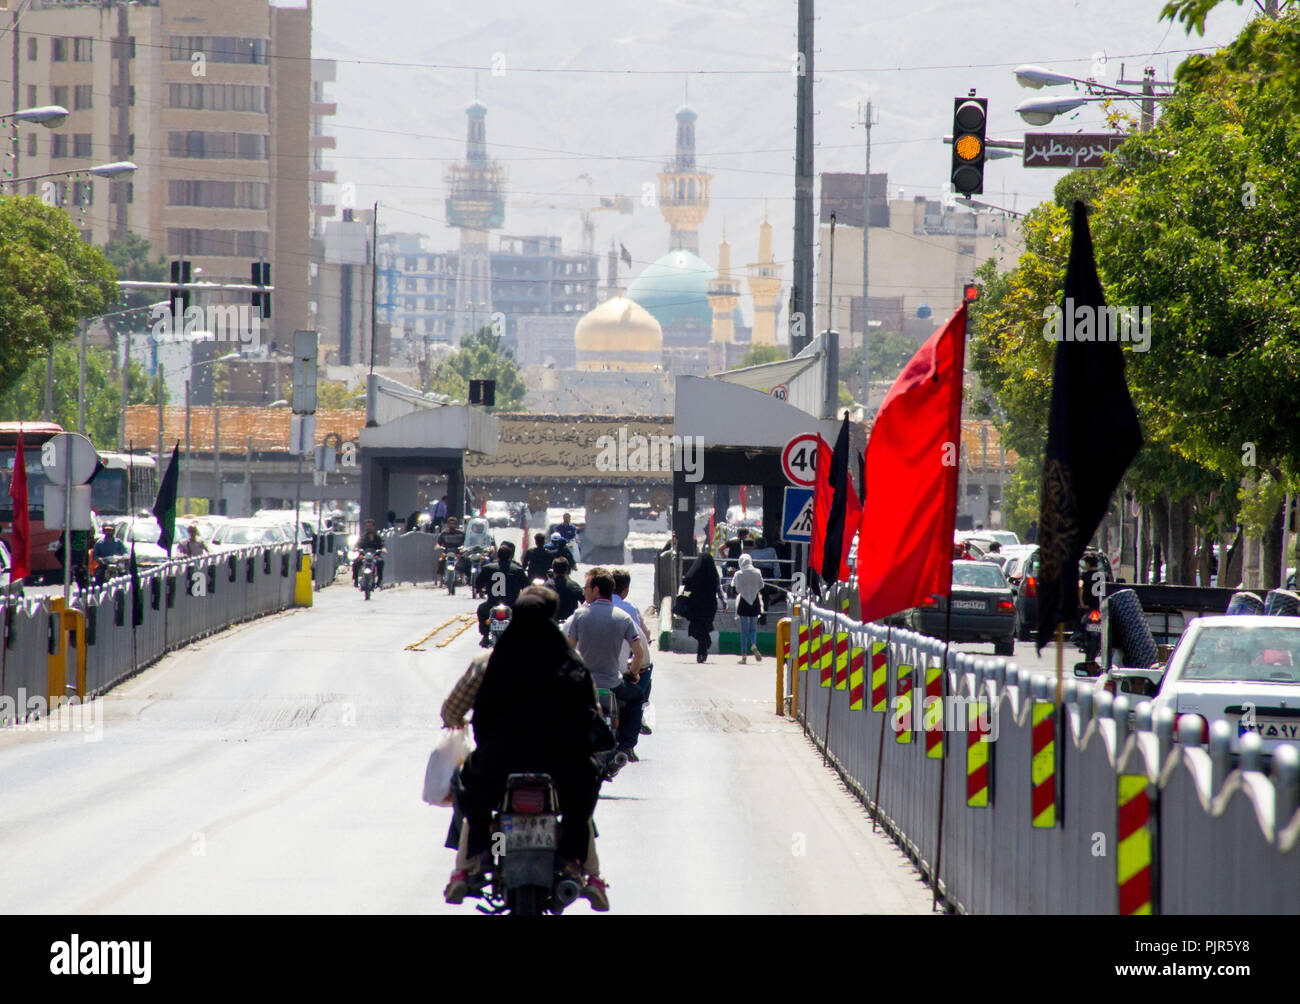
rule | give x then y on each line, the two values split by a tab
1244	670
144	533
247	533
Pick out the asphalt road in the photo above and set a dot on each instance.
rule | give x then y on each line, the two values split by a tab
277	767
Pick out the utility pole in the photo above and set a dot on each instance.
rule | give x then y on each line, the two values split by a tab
865	365
801	290
216	455
125	339
48	413
832	339
160	414
374	260
1147	118
189	457
81	379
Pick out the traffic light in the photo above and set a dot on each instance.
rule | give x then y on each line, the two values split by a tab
261	276
180	273
483	392
970	292
969	118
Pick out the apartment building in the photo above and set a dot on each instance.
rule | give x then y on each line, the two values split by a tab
212	101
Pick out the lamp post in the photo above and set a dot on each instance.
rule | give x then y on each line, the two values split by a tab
1041	111
189	464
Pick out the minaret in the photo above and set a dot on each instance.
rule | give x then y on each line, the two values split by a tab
684	190
611	272
724	294
476	205
765	288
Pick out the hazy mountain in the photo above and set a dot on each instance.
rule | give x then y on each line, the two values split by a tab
408	68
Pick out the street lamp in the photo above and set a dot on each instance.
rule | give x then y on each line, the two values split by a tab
50	116
189	472
1041	111
117	169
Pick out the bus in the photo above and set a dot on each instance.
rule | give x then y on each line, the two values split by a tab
45	566
124	484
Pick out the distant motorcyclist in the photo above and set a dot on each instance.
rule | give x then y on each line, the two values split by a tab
478	534
108	546
569	592
535	711
1092	583
559	548
501	582
370	541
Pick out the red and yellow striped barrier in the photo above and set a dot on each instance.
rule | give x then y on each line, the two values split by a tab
857	661
1134	855
815	647
826	655
879	676
1043	770
903	705
841	661
934	712
978	751
801	653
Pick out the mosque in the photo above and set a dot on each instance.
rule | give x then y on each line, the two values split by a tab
680	317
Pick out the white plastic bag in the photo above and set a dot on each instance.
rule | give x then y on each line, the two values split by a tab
449	754
648	716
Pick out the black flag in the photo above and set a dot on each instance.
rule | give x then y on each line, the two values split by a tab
137	597
164	507
1092	433
833	552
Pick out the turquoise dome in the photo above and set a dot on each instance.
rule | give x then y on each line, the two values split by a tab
675	290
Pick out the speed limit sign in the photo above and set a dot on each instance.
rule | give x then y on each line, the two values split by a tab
781	392
799	459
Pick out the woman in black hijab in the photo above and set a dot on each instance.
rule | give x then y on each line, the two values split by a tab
705	586
535	712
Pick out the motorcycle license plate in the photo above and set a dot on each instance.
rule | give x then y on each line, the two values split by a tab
529	833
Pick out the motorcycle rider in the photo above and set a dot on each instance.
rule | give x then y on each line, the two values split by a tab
559	548
370	541
534	711
1092	583
537	559
501	582
108	546
598	631
569	592
451	540
622	586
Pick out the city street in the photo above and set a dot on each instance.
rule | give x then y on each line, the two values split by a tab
277	767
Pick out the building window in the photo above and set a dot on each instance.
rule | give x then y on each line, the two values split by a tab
31	95
81	144
58	146
31	144
82	49
83	96
83	193
217	194
219	97
59	50
130	145
227	243
59	96
31	50
121	191
219	48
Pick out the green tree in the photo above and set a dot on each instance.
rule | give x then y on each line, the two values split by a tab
335	395
49	278
131	257
25	399
760	354
480	358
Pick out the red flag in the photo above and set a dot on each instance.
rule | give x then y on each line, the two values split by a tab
852	520
744	509
910	504
823	495
21	539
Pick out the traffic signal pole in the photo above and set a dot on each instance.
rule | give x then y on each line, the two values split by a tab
865	367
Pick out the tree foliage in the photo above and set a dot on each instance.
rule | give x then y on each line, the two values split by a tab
335	395
48	279
480	358
131	256
761	354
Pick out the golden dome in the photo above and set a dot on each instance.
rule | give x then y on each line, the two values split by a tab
618	334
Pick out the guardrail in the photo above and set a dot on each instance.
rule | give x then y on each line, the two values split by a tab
1020	806
48	652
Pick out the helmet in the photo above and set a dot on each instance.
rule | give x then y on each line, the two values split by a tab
557	537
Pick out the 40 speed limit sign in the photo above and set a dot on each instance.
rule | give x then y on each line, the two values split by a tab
799	459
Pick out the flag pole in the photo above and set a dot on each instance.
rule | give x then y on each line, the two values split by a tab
1060	662
880	747
830	694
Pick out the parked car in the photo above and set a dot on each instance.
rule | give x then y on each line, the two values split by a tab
1244	670
983	608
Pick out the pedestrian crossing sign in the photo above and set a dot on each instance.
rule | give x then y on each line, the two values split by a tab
797	516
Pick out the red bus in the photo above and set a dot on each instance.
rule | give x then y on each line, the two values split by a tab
35	434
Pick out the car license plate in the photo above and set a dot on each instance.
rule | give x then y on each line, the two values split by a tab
968	604
1270	728
529	833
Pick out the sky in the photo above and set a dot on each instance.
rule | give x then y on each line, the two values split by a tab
581	99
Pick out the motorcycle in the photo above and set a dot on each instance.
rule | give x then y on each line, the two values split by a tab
455	567
1087	635
498	621
610	761
478	557
113	567
526	876
369	573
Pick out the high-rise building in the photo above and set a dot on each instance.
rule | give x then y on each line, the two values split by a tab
212	101
476	206
323	71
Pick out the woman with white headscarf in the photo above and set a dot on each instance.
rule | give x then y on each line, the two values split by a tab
748	583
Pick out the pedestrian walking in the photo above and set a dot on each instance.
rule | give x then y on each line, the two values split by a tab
705	586
748	583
